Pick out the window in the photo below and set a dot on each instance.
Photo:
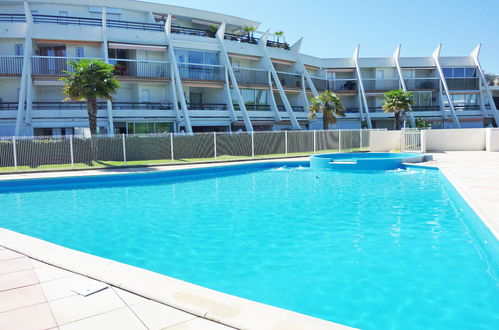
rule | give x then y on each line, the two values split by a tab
459	72
197	57
255	96
19	49
80	52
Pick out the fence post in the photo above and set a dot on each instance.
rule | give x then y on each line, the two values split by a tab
215	144
339	140
423	140
286	142
253	144
360	145
402	140
315	142
15	152
124	149
171	146
71	151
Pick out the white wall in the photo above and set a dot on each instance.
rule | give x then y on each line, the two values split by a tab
492	139
383	141
469	139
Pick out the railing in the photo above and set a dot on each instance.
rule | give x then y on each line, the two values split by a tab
422	83
67	20
462	83
142	106
8	106
320	84
254	107
193	71
423	108
251	76
295	108
241	38
53	66
192	32
466	107
11	18
135	25
343	85
140	68
381	84
275	44
351	110
65	106
287	79
207	106
11	65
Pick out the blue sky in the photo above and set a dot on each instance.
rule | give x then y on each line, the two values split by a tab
332	28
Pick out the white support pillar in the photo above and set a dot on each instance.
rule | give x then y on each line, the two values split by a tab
396	58
299	64
228	98
231	78
270	66
109	104
176	76
483	82
436	58
361	87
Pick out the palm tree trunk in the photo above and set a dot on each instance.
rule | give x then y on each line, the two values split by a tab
325	120
397	121
92	123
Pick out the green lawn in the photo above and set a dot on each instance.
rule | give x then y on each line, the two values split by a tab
108	164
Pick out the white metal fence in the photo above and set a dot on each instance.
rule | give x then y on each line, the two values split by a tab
411	140
71	152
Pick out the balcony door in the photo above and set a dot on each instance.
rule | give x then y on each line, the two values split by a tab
51	64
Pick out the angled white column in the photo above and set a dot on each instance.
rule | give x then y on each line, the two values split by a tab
270	66
176	75
299	64
361	87
436	58
272	101
483	82
109	104
232	77
396	57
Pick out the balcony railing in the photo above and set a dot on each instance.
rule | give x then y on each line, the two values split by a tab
381	84
320	84
192	32
207	106
193	71
343	85
292	80
275	44
254	107
466	107
8	106
351	110
423	108
251	76
462	83
11	18
135	25
53	66
65	106
11	65
241	38
142	106
67	20
295	108
421	83
141	69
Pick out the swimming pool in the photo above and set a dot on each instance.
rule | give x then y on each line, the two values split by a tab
375	250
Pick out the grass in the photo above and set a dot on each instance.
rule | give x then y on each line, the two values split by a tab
111	164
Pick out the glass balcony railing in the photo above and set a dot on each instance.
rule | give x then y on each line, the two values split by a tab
194	71
422	83
135	25
291	80
141	69
192	32
320	84
462	83
52	66
425	108
8	106
207	106
13	18
275	44
381	84
351	110
142	106
11	65
251	76
254	107
241	38
295	108
65	106
466	107
66	20
343	85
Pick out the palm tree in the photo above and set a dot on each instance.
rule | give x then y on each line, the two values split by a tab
249	30
279	34
397	102
330	105
90	80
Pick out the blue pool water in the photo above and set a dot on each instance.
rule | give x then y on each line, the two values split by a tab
374	250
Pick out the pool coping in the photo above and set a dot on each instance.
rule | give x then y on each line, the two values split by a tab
209	304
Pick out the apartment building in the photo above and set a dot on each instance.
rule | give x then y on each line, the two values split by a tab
188	70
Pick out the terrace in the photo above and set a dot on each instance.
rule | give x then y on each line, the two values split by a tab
11	65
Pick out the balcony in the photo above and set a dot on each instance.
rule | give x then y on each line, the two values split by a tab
295	108
320	84
13	18
66	20
193	71
351	110
141	69
425	108
462	84
290	80
422	83
338	85
241	38
251	76
192	32
135	25
11	65
468	107
142	106
381	84
65	106
254	107
8	106
207	106
51	66
275	44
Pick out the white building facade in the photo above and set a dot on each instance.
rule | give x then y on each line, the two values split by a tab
187	70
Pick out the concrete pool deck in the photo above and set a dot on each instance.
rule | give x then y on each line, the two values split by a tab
32	291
